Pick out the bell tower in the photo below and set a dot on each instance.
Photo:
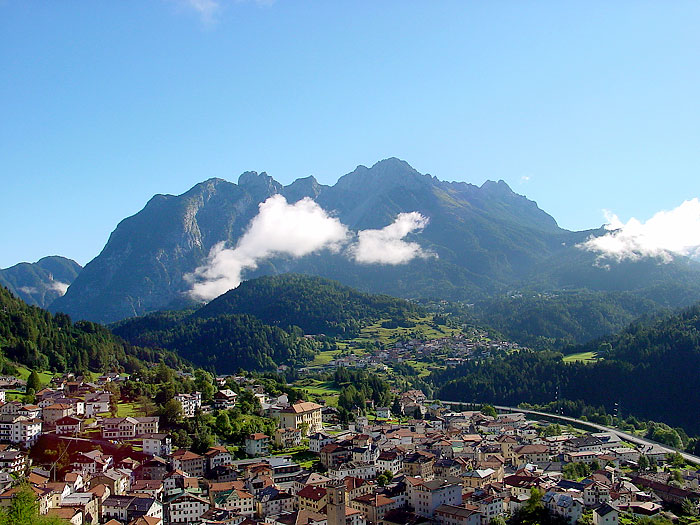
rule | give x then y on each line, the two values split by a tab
335	509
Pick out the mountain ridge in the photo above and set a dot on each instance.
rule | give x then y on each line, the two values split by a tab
488	239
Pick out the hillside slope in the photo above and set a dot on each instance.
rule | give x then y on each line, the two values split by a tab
42	282
37	339
650	370
314	304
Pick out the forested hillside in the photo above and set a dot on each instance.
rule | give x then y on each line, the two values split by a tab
649	369
557	319
38	339
225	343
314	304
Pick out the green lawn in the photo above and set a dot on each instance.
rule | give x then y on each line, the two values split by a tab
129	409
325	390
585	357
323	358
423	330
44	377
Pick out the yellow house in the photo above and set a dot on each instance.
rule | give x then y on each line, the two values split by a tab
303	415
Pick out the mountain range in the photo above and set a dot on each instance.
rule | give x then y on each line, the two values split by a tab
487	240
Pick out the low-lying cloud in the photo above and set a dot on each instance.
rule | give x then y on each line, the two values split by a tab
667	233
386	246
297	230
279	228
59	287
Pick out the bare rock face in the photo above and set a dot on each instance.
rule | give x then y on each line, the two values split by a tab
487	239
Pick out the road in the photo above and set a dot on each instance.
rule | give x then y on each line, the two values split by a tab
598	428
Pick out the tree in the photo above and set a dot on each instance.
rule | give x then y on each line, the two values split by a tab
33	382
643	463
24	510
689	508
489	410
204	382
534	503
170	413
223	424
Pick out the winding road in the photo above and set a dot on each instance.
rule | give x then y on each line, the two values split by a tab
598	428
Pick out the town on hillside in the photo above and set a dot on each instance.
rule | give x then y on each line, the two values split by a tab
416	462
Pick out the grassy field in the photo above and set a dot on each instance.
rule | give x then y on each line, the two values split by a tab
320	390
422	330
584	357
129	409
323	358
44	377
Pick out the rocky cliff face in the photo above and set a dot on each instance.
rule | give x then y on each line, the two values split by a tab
486	238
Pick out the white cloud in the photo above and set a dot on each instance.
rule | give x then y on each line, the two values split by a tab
279	229
666	233
297	230
28	289
386	246
524	179
206	9
59	287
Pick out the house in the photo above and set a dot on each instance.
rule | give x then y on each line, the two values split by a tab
129	427
97	404
68	426
91	462
13	461
19	429
303	415
72	515
606	515
564	505
225	399
384	413
312	497
189	462
390	460
373	506
356	469
128	508
217	456
157	444
257	444
426	496
457	515
318	440
419	464
118	481
53	413
271	501
237	500
189	402
154	468
185	507
583	444
287	437
334	454
531	454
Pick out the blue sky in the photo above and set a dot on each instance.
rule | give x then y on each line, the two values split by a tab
581	106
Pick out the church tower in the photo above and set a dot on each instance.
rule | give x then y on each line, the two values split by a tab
335	509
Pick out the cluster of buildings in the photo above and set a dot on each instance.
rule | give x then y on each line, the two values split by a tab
452	351
446	467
